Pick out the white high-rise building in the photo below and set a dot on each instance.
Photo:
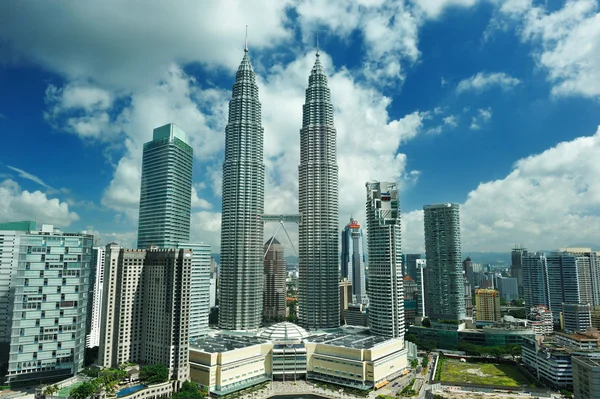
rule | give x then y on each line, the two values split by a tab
384	239
241	278
93	338
199	288
318	256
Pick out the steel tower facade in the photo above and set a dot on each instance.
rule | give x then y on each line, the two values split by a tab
241	301
384	241
318	283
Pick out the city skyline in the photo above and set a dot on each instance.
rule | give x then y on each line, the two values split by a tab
404	107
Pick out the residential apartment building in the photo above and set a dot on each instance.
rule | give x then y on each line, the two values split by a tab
540	318
386	290
508	287
49	301
487	305
444	272
145	309
166	189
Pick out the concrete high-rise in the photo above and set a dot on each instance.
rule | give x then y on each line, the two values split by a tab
563	281
588	269
145	308
241	278
445	297
487	305
275	285
49	295
199	287
166	189
94	311
318	258
353	260
384	239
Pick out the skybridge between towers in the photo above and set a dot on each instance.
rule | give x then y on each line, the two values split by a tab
292	218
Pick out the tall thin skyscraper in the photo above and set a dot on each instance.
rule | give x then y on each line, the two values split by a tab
96	286
384	238
353	260
199	287
318	277
275	286
241	284
516	265
445	293
535	280
166	192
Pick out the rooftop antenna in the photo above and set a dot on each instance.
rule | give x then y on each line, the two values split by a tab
246	41
317	43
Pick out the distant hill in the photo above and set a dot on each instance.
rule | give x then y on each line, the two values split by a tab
494	258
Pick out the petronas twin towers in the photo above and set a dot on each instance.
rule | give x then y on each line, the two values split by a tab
243	206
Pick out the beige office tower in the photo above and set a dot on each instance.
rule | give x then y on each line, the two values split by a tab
145	308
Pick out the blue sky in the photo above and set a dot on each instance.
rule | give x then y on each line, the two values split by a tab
490	104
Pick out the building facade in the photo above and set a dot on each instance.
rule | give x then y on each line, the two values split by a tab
345	297
540	318
576	317
516	265
444	272
586	377
93	338
409	265
275	285
241	269
508	287
10	240
353	260
535	280
166	189
386	293
50	305
318	270
145	309
199	287
588	265
487	304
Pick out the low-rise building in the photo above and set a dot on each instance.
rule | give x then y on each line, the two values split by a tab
351	357
586	377
550	358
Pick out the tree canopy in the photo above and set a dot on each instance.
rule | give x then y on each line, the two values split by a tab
154	374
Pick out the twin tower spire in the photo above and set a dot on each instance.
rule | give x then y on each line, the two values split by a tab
241	301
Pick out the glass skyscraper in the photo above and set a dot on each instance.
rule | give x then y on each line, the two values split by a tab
166	192
384	239
241	301
445	288
353	260
318	257
49	305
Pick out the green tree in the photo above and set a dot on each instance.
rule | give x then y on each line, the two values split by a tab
515	351
426	322
189	390
50	390
154	374
497	351
83	391
414	363
425	362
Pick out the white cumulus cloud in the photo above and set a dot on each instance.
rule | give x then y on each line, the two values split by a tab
482	81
